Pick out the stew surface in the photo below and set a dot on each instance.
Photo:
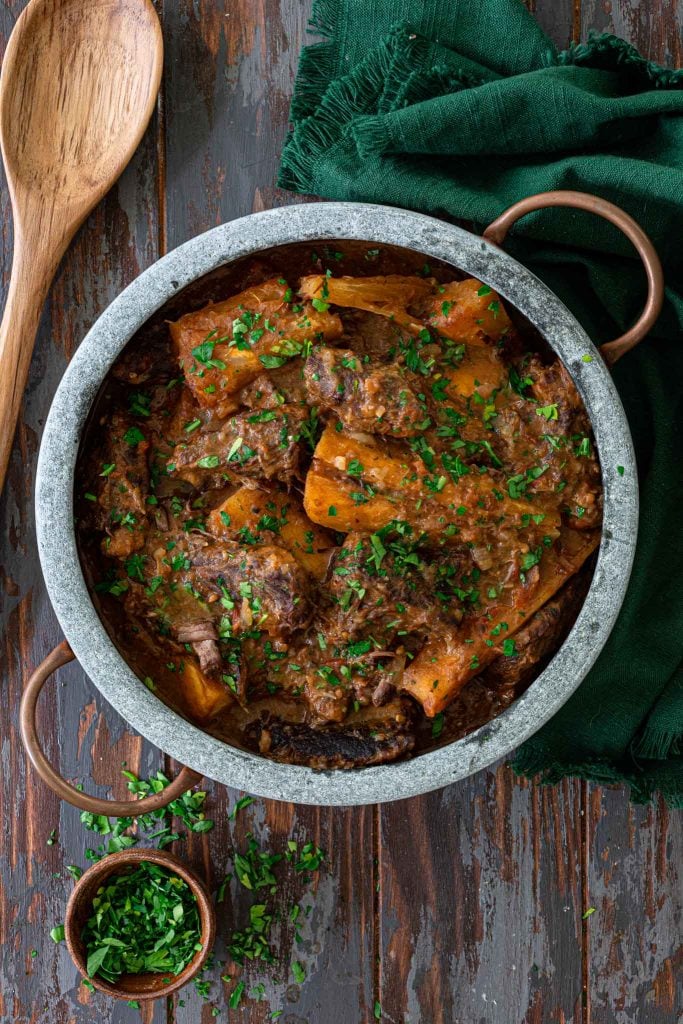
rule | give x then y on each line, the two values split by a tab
338	517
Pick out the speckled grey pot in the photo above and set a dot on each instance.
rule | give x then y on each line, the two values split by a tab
55	485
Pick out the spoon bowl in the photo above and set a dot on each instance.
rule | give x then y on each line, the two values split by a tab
78	86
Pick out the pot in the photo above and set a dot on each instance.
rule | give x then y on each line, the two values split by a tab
478	257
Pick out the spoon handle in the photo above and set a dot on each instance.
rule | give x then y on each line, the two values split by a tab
33	267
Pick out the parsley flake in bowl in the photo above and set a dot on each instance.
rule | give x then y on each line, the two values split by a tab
139	923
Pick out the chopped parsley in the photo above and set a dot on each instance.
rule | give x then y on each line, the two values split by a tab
272	362
145	920
437	725
517	383
518	484
133	436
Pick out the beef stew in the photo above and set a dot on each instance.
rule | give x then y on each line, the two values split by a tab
338	507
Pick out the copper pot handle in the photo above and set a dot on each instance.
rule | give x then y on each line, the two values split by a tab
62	655
611	351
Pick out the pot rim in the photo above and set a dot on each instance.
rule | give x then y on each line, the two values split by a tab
55	484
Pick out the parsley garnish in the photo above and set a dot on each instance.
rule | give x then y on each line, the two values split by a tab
437	725
145	920
236	995
517	485
272	362
133	436
517	383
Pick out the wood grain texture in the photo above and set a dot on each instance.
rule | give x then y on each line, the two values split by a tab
656	29
634	882
472	898
559	18
84	737
481	904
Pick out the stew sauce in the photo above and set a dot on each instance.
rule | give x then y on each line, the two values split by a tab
338	517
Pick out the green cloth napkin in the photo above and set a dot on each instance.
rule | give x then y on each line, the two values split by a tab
458	109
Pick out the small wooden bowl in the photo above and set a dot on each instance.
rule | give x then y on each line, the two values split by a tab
79	909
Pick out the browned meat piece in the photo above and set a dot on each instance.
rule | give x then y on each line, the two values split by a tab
551	413
370	334
371	399
330	687
551	383
209	655
383	691
263	393
381	586
262	588
328	681
196	632
203	637
328	698
539	637
283	385
124	486
266	443
371	736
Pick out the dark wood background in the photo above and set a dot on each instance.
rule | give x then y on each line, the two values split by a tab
462	907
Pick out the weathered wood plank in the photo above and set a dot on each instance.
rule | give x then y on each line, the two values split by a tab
559	18
634	936
229	74
82	734
655	27
633	939
337	934
480	904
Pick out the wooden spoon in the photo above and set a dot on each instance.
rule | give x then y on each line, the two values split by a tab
78	85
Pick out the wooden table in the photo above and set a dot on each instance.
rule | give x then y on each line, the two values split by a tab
462	907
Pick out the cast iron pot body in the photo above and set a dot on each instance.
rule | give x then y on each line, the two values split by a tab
55	513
